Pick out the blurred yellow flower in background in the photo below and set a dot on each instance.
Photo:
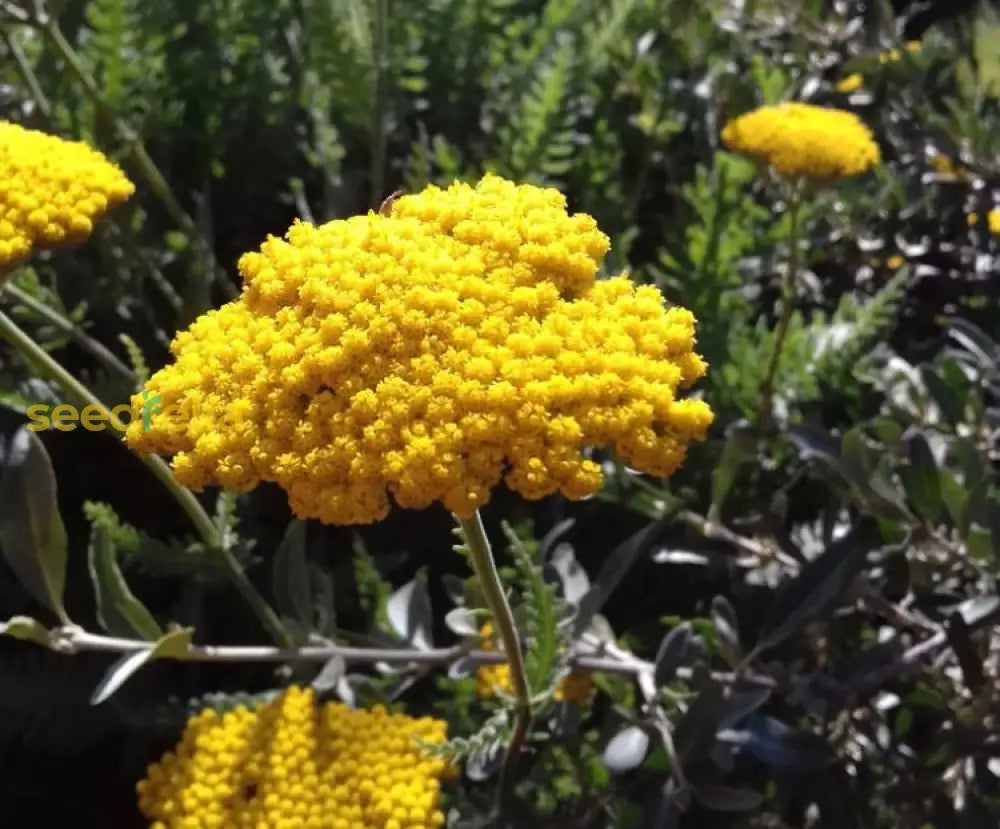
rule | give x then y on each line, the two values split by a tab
799	139
460	340
850	83
895	55
992	220
51	191
577	687
291	763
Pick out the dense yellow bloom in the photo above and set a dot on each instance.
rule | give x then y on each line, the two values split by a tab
992	220
291	764
430	353
576	688
51	191
804	140
850	83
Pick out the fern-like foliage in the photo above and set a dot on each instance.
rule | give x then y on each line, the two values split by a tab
373	590
820	354
144	554
537	140
485	742
136	358
125	57
545	648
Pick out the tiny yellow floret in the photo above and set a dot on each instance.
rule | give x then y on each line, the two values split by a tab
290	763
425	356
799	139
51	191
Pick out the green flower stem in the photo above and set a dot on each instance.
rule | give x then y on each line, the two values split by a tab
73	331
503	619
787	309
79	394
49	28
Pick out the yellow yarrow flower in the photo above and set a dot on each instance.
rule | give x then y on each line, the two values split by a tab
460	340
289	763
804	140
51	191
577	687
850	83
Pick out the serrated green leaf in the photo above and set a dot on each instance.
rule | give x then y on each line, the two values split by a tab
32	535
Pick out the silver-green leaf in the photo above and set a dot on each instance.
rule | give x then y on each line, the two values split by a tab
171	645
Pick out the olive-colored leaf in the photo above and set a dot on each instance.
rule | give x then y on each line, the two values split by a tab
815	588
32	535
740	448
290	569
727	630
119	612
920	477
695	732
25	628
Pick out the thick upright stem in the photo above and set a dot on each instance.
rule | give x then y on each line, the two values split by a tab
503	619
47	366
787	309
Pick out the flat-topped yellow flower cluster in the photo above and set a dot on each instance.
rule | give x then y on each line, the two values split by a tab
51	191
291	764
804	140
430	353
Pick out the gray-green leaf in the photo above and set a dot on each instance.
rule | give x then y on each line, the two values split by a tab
119	612
31	532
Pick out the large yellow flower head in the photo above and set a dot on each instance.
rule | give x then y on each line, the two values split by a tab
804	140
430	353
51	191
291	764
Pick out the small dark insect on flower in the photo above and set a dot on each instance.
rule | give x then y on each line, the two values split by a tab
387	204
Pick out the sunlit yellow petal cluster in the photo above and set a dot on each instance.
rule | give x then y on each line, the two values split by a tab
576	688
460	340
804	140
850	83
292	764
51	191
992	220
895	55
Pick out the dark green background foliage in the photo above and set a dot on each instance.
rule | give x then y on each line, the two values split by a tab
831	588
